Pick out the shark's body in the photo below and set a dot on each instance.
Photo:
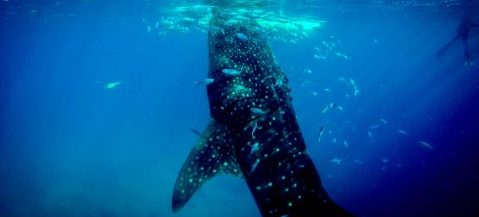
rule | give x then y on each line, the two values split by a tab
254	133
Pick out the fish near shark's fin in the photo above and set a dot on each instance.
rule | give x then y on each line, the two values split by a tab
212	155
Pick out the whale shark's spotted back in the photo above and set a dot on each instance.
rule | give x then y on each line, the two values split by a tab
254	132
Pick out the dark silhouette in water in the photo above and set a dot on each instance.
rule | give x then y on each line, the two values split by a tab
463	32
254	133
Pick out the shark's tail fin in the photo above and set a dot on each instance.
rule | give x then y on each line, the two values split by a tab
212	155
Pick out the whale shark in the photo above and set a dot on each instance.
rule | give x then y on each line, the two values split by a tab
253	133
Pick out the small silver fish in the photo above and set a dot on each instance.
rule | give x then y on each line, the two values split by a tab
402	132
332	105
112	85
195	131
353	83
255	127
356	91
358	162
258	111
325	109
319	57
425	144
336	160
254	148
325	44
253	167
321	132
205	81
342	55
231	72
370	135
305	34
383	121
241	36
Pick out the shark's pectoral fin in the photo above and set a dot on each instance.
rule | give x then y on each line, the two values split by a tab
212	155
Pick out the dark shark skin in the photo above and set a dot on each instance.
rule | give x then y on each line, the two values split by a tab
254	133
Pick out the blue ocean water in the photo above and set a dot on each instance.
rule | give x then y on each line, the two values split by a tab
400	124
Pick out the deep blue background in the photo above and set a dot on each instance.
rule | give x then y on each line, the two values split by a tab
70	147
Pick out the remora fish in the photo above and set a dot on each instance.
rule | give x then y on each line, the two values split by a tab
281	161
321	132
112	85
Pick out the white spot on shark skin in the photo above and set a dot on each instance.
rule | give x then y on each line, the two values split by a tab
112	85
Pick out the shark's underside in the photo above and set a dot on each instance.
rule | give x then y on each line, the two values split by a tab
253	133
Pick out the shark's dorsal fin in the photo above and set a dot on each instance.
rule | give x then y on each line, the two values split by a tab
212	155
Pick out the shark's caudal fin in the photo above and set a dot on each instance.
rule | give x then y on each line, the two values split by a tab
212	155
